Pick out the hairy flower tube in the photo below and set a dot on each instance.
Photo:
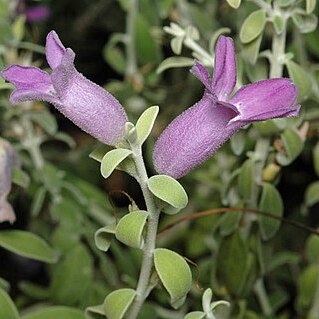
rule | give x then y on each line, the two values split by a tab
197	133
8	159
86	104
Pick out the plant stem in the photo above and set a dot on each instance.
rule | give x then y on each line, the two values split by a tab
131	64
278	49
143	283
31	141
262	297
208	58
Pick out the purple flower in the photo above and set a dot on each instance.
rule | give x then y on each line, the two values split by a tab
8	158
86	104
199	131
33	14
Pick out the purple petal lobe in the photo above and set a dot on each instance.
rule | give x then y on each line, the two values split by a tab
224	79
54	50
38	13
202	74
86	104
265	100
193	137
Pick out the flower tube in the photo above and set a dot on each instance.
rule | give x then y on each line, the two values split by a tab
201	130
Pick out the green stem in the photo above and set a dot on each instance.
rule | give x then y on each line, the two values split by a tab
194	46
31	141
142	289
131	64
278	49
262	297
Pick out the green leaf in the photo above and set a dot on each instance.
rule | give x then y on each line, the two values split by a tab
56	312
229	222
270	127
195	315
232	263
168	190
4	284
118	302
45	120
174	62
293	145
28	245
20	178
301	78
145	123
99	152
246	180
253	26
310	6
306	23
129	229
206	300
146	47
8	309
250	51
65	138
112	159
286	3
174	273
103	237
312	249
312	194
71	278
307	286
234	3
38	201
33	290
92	311
177	44
316	158
238	142
270	202
113	54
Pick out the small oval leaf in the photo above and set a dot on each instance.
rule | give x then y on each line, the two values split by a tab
117	303
55	312
145	123
246	180
129	229
310	6
173	272
103	237
168	190
306	23
94	310
7	308
112	159
293	145
28	245
253	26
206	300
270	202
234	3
312	194
301	78
195	315
174	62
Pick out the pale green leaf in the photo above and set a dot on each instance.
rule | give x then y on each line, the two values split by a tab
278	24
174	62
316	158
92	311
173	272
246	180
55	312
286	3
195	315
177	44
310	6
206	300
270	202
129	229
301	78
28	245
99	152
38	201
253	26
112	159
312	249
312	194
117	303
103	237
45	120
145	123
306	23
234	3
168	190
20	177
8	309
250	51
293	145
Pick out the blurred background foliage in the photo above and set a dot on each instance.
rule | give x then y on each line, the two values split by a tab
264	268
